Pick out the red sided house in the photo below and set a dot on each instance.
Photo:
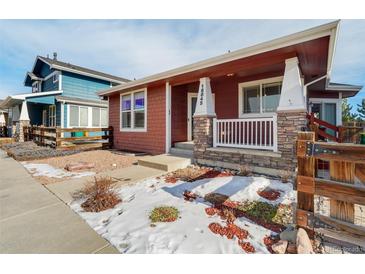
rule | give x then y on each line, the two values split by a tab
242	107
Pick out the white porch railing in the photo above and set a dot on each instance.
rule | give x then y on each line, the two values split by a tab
254	133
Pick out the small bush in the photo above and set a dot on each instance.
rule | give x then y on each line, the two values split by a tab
164	214
285	176
99	195
259	210
244	170
216	198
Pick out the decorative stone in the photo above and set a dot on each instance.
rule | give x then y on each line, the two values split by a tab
304	245
280	247
289	235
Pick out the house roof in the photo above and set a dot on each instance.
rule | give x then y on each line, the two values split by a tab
56	64
329	29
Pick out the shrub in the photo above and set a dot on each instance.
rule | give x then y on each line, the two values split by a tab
164	214
99	195
216	198
244	170
285	176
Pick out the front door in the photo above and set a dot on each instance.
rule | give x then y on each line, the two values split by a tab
192	98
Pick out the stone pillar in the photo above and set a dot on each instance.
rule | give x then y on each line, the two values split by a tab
289	124
203	119
23	121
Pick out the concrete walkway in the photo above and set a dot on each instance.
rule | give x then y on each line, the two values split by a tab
33	220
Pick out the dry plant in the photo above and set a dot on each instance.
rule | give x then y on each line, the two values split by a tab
99	195
285	176
164	214
244	170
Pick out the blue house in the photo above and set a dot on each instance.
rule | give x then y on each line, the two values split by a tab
62	94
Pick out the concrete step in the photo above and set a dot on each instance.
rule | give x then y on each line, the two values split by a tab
181	152
165	162
184	145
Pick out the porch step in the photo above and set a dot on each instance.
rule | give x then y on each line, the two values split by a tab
184	145
165	162
181	152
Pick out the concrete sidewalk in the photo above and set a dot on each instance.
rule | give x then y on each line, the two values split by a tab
33	220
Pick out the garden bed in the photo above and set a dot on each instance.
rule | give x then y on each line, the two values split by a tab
223	214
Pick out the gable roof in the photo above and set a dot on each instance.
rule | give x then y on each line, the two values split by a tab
63	66
329	29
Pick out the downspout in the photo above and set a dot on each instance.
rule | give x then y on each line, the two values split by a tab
311	83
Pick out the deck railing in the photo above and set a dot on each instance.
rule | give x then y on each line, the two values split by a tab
254	133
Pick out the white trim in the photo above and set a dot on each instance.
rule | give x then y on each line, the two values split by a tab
132	129
168	117
52	110
60	81
329	29
255	83
321	101
81	103
37	83
38	94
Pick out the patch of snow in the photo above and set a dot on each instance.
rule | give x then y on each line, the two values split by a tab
52	172
128	228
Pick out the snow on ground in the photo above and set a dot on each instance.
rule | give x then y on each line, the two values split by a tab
128	228
52	172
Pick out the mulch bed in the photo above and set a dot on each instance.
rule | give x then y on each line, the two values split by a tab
27	151
269	194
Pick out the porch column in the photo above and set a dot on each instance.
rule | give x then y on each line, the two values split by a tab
291	114
23	121
203	119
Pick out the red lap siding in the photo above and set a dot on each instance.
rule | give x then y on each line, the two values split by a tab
152	141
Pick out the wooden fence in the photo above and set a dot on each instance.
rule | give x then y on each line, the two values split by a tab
346	162
347	133
70	138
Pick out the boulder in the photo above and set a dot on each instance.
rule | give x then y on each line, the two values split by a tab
79	166
280	247
304	245
290	235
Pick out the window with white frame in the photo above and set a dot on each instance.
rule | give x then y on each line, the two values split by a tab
55	77
99	117
36	87
52	116
260	96
78	116
133	110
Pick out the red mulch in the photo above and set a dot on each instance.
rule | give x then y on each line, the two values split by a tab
189	196
269	194
229	231
246	246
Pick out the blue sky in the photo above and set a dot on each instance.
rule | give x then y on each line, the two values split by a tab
137	48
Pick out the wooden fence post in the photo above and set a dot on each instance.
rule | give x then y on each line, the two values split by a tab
306	167
58	138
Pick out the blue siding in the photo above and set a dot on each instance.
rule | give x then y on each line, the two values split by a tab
80	86
50	99
65	115
48	85
58	114
45	70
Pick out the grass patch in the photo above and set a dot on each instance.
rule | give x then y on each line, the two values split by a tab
164	214
259	210
99	195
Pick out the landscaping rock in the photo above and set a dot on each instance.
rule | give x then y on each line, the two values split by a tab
290	235
280	247
79	166
304	245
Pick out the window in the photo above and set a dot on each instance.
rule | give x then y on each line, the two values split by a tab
55	77
74	116
99	117
52	116
36	87
260	96
133	111
84	116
